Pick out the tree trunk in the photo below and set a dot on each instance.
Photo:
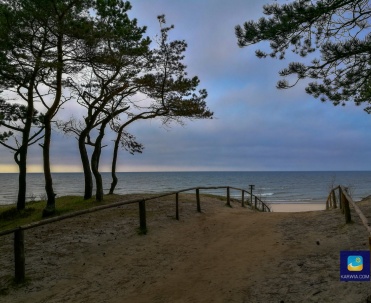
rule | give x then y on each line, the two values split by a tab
22	160
114	181
98	178
50	205
88	178
22	184
117	143
114	163
95	161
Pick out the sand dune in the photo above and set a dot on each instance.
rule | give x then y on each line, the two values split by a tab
221	255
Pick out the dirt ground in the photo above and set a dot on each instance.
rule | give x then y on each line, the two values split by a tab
220	255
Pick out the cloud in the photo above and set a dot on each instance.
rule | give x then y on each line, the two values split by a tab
256	126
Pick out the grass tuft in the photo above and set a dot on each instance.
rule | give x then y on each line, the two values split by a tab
13	213
11	218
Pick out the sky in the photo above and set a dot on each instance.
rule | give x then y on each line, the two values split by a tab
256	127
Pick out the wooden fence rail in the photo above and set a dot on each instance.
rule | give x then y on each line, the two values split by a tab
344	204
345	201
19	254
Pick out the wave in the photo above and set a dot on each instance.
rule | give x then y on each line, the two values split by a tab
272	187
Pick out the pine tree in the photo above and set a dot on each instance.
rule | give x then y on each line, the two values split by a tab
335	34
110	86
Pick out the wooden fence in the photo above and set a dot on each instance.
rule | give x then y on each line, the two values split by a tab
19	255
339	198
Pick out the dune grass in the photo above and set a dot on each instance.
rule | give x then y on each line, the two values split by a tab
10	217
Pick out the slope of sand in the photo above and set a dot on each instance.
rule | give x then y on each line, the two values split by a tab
220	255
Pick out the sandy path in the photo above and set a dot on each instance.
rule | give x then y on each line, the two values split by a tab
209	267
221	255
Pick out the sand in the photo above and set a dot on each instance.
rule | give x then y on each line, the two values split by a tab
220	255
297	207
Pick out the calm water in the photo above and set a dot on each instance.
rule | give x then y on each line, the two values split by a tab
273	187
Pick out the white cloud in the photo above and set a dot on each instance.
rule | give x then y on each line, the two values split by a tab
256	126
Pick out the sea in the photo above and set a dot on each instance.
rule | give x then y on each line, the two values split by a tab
271	187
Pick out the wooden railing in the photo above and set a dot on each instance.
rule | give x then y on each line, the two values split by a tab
19	255
339	197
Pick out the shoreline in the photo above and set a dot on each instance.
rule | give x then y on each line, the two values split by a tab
279	206
276	186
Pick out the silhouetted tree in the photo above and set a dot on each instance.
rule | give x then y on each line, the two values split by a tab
128	142
333	33
23	45
53	22
117	55
171	93
45	43
64	24
14	118
110	86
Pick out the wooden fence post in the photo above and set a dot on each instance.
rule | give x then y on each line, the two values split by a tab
243	199
345	202
228	197
19	257
256	201
334	198
177	206
142	216
341	201
198	200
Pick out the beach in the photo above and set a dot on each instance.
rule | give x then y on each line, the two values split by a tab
296	207
219	255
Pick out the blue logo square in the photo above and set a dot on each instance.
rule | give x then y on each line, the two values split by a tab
354	266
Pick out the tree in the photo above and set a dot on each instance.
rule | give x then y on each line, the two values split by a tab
116	55
129	143
62	25
125	67
22	47
14	117
337	29
42	47
172	94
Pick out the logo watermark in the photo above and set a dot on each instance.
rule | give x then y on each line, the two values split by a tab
354	266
